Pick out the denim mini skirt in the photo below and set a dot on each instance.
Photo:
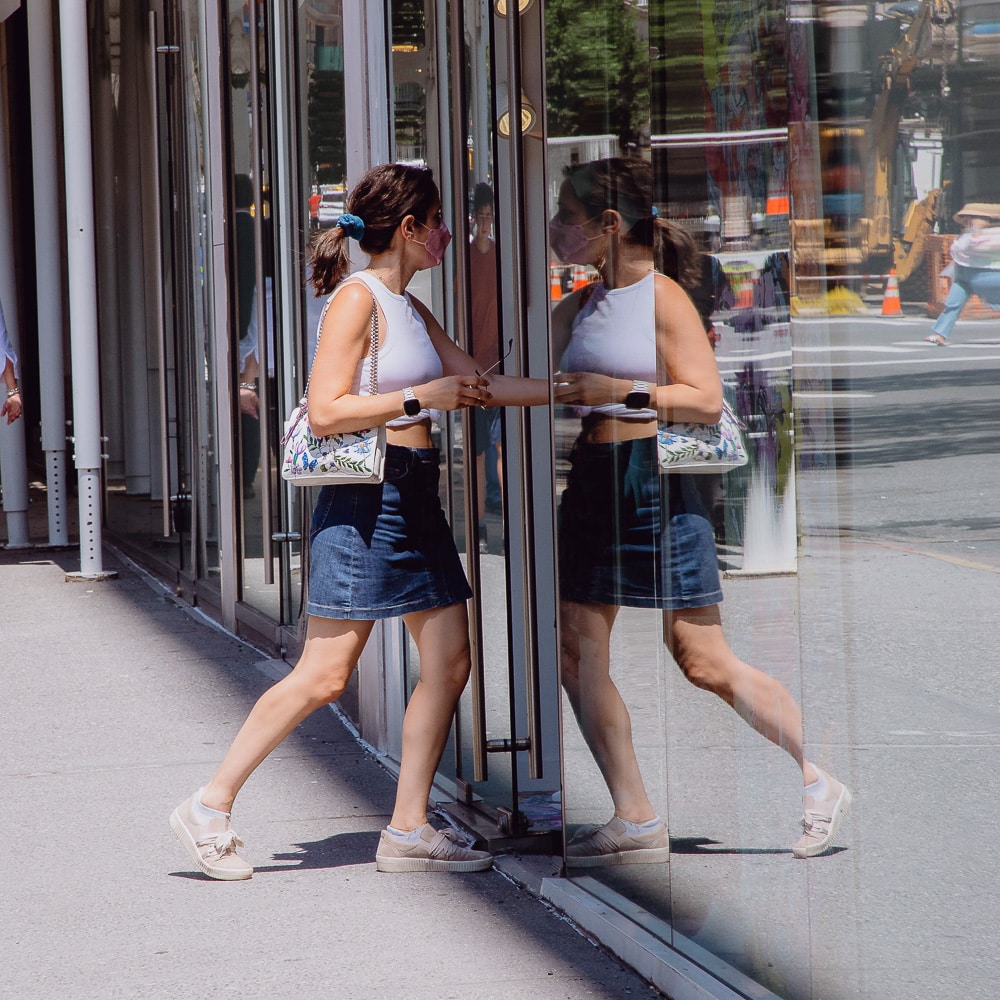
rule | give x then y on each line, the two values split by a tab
384	550
631	537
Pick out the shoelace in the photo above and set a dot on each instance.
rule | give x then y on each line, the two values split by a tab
222	843
599	841
449	846
817	821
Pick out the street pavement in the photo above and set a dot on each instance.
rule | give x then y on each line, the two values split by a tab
118	702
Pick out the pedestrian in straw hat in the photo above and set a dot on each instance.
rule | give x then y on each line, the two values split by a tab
975	266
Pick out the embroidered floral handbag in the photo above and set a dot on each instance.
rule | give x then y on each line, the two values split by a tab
351	456
702	447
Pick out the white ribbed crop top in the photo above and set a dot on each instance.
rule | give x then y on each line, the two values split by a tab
406	357
615	334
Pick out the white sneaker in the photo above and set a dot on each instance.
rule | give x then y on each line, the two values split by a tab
611	844
822	818
212	846
435	851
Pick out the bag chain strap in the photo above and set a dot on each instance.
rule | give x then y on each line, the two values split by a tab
372	349
372	365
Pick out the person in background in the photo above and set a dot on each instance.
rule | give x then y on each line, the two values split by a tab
246	307
381	550
12	405
974	268
314	199
632	348
485	340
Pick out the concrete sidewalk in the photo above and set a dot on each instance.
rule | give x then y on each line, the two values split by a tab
118	702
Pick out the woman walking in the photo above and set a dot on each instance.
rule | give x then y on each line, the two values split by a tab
377	551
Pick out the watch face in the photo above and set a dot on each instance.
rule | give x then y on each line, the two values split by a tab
411	407
637	400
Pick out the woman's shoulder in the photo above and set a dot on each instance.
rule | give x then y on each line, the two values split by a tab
665	285
353	290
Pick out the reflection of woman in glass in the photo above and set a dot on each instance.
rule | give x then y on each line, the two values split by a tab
377	551
630	346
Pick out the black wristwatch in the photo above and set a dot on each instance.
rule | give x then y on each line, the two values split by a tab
411	405
638	398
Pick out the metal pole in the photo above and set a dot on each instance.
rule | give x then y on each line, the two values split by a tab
51	369
81	256
13	458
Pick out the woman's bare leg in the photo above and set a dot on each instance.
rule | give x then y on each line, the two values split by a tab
330	653
696	640
442	638
600	711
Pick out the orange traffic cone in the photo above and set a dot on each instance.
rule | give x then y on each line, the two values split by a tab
891	305
555	284
580	279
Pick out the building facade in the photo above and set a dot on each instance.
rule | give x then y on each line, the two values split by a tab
162	185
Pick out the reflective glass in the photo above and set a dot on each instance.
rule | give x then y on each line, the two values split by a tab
832	167
162	500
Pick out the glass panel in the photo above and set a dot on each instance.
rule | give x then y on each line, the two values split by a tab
416	137
606	325
722	153
903	227
199	489
482	242
137	492
322	162
833	167
254	290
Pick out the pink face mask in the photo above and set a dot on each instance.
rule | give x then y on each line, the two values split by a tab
435	245
570	243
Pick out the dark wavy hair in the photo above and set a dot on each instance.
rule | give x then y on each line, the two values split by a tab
625	184
383	197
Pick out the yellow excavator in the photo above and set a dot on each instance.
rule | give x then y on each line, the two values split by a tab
856	158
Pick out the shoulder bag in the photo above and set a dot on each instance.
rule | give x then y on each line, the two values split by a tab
702	447
350	456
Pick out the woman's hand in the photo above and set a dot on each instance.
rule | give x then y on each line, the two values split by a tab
11	407
454	392
587	388
249	402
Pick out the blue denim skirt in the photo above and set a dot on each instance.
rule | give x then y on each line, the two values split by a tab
384	550
631	537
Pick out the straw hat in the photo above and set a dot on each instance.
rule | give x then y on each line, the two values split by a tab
978	210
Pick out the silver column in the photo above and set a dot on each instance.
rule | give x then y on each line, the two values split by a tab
82	279
48	264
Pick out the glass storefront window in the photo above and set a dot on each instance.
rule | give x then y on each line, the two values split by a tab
829	163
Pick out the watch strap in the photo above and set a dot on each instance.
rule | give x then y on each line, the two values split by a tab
638	397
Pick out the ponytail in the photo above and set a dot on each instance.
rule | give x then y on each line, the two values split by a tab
329	260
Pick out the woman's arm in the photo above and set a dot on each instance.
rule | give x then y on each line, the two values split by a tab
501	390
686	358
344	342
691	389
